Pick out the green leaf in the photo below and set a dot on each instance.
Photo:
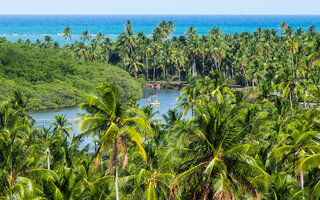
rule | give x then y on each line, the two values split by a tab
310	162
150	193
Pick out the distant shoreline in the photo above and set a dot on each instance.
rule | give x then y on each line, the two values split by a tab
33	27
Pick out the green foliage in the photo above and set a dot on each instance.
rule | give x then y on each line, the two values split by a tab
50	79
258	144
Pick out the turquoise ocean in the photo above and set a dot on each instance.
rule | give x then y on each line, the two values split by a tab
35	27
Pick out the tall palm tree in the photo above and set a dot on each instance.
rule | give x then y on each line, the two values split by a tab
192	48
110	119
67	33
293	46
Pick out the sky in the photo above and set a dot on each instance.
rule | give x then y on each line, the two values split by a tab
176	7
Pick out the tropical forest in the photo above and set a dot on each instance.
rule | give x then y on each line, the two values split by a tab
246	125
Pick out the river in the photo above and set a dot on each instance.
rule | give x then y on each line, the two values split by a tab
167	99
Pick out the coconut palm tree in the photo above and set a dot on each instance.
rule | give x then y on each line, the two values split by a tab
223	162
67	33
293	46
299	142
47	40
85	36
135	67
110	119
61	126
149	180
188	99
192	48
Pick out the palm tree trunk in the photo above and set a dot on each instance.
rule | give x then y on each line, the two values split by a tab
290	98
232	76
116	178
245	75
48	157
179	74
294	164
168	75
194	68
292	66
302	181
116	173
202	61
205	191
154	73
147	70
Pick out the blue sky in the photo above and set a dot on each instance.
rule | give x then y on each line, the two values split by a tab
311	7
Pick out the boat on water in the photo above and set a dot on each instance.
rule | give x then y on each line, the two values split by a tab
153	100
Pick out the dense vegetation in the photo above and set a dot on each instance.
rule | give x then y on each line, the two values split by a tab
51	79
288	60
251	144
235	146
246	58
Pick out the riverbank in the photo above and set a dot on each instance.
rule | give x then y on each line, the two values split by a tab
178	86
164	85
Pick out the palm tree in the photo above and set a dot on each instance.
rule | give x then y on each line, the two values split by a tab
149	180
112	121
173	117
224	166
293	46
47	40
135	67
99	37
85	36
14	156
315	55
283	26
283	186
178	59
145	51
67	33
299	143
192	48
61	126
188	99
105	49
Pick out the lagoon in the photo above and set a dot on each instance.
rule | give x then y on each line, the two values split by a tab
167	99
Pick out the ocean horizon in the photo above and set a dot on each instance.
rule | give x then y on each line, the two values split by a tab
34	27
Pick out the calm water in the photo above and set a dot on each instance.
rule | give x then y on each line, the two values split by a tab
36	27
167	98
